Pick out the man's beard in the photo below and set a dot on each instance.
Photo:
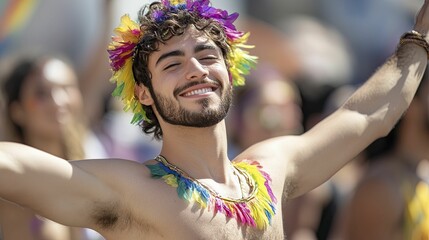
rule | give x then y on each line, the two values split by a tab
174	114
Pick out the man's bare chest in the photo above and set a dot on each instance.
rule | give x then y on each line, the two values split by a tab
166	216
192	222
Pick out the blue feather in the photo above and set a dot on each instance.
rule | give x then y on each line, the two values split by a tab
156	170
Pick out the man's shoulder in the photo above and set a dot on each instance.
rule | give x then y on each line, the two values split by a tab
118	172
114	164
129	182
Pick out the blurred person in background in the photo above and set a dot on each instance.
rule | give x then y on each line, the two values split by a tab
324	65
391	200
314	215
115	123
39	26
269	105
44	109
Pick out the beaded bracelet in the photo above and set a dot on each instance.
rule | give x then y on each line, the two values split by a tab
416	38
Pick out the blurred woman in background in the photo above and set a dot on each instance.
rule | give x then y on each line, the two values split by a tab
43	109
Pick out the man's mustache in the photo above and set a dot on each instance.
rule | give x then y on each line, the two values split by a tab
180	89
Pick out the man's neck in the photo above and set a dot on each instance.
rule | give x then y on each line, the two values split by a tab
201	152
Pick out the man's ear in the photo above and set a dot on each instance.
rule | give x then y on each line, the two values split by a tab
143	95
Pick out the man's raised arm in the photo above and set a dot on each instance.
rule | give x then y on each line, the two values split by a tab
370	113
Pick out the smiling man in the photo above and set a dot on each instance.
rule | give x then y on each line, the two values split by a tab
206	91
175	70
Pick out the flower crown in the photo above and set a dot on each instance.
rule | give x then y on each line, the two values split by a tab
129	34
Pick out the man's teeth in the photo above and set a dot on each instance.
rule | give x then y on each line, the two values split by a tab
198	91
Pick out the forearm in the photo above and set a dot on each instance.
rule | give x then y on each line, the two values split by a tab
368	114
388	93
26	171
50	186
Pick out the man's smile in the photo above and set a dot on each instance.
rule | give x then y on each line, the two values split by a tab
201	89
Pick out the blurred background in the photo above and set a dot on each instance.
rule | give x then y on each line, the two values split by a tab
312	55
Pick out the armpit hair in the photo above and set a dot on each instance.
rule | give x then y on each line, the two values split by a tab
289	189
111	215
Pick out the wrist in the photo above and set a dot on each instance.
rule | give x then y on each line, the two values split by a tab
416	38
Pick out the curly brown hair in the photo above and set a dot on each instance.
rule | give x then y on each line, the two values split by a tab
174	23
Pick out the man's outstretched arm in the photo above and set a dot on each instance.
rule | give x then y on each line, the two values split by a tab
53	187
370	113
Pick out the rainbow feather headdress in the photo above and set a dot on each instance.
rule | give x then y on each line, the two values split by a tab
129	34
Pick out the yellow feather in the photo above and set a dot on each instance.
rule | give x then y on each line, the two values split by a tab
171	180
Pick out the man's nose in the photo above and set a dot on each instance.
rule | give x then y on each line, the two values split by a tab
195	70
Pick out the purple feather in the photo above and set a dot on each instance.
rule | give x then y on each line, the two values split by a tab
120	54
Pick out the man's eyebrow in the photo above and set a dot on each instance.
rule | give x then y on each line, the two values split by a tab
169	54
198	48
202	47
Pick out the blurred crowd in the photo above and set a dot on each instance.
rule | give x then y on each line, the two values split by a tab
56	96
